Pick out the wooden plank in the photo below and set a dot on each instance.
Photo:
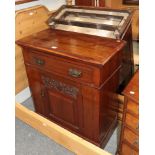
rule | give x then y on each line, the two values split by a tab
28	21
32	18
60	135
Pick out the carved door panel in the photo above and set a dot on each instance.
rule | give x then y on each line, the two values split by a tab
63	101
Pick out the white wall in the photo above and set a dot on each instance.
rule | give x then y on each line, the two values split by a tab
50	4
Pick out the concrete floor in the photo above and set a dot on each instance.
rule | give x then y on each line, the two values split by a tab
31	142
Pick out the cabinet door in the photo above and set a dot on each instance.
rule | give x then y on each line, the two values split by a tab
63	101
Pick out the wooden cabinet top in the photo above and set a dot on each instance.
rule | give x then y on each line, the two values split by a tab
81	47
132	89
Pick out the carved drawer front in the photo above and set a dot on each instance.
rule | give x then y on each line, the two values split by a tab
131	137
127	150
133	107
64	101
60	66
132	122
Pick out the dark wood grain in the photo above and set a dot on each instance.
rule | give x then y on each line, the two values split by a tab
80	47
79	102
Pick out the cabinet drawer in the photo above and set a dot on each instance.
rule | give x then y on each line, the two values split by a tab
133	107
73	70
132	122
127	150
131	137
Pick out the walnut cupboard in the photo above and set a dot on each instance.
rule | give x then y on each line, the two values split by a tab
72	87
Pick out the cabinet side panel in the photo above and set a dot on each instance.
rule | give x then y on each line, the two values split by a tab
91	113
127	59
109	102
36	89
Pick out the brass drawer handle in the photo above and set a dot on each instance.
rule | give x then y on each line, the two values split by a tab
39	62
74	73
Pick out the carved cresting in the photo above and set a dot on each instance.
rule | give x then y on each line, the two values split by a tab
69	2
61	87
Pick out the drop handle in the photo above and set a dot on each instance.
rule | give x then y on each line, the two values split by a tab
74	73
39	62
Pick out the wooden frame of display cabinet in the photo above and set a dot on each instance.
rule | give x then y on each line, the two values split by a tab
60	135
